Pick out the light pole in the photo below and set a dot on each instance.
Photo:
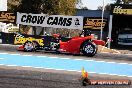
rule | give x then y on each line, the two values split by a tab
101	32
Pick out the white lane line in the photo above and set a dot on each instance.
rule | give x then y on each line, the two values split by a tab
80	71
38	67
41	56
109	74
2	58
82	60
119	63
3	53
11	65
14	54
103	61
112	62
91	60
27	55
71	59
26	66
125	63
65	58
1	64
53	57
89	72
97	61
69	70
100	61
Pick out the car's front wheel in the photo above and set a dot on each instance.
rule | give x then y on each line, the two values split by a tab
29	46
89	49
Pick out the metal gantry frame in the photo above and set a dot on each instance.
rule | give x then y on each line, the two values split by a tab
110	30
110	26
101	32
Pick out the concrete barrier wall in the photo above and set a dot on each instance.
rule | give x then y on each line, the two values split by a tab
8	47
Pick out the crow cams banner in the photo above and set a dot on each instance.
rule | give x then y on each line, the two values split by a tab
55	21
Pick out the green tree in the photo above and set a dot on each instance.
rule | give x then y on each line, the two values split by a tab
63	7
107	7
51	7
12	5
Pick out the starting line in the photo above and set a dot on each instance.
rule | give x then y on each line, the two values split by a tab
56	63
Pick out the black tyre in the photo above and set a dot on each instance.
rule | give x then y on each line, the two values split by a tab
86	82
89	49
29	46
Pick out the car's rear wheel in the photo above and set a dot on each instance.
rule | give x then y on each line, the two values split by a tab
89	49
29	46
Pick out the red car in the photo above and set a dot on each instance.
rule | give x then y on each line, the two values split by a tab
85	44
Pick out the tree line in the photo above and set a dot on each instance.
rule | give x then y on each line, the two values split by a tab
51	7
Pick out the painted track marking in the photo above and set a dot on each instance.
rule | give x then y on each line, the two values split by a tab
101	67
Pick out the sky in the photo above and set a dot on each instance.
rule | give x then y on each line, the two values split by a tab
93	4
3	5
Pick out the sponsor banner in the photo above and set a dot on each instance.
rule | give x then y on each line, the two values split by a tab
7	17
55	21
94	23
120	9
20	39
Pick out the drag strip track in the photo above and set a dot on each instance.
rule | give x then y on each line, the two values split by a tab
31	79
29	82
11	77
67	64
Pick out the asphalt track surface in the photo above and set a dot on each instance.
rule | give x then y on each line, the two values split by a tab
20	77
